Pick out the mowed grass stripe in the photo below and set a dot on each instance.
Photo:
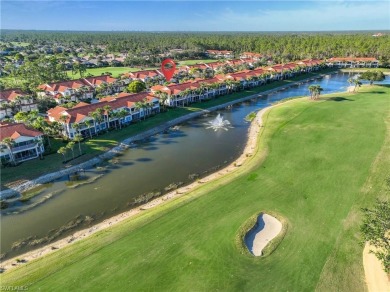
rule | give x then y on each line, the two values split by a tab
319	156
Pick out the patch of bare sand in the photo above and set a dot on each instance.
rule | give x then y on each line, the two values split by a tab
376	278
267	228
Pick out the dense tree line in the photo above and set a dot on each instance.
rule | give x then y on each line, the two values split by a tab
286	46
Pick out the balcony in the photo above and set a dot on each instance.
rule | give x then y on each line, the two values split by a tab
24	147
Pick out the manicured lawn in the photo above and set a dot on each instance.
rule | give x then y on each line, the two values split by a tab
192	62
114	70
53	162
324	160
384	70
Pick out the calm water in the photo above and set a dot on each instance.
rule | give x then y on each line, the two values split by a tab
178	156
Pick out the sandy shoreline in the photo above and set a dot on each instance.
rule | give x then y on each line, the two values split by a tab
123	145
253	132
376	278
78	235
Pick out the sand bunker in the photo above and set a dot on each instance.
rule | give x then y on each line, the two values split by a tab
265	229
376	277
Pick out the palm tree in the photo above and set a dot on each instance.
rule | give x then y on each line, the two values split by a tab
63	119
312	90
315	91
318	90
70	146
139	106
185	93
356	82
39	145
163	96
82	90
76	127
18	102
9	143
93	116
229	84
99	115
115	116
121	114
62	151
102	88
88	124
108	110
78	138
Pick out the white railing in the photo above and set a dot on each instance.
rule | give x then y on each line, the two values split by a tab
24	147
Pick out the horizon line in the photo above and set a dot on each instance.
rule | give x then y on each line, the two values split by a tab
163	31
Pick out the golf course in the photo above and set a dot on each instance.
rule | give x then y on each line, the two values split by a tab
316	164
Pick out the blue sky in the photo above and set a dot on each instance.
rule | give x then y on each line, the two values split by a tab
314	15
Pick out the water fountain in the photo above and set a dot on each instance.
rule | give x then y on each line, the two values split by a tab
218	123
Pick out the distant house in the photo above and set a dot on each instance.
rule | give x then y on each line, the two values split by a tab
192	91
235	62
220	54
252	56
215	65
27	143
90	64
14	100
143	75
309	65
352	62
110	84
81	89
64	91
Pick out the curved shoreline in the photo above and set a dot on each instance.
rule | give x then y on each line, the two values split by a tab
251	144
253	131
124	144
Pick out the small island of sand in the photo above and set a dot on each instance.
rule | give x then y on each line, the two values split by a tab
265	229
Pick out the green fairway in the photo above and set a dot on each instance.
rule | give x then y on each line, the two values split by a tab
192	62
316	164
115	71
358	70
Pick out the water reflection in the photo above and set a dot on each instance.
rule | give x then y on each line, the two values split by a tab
180	155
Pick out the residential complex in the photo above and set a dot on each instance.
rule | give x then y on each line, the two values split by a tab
353	62
124	108
22	144
115	108
14	100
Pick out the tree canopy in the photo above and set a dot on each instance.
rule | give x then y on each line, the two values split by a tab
372	76
136	86
283	46
376	230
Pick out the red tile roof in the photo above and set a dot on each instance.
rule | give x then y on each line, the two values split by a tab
218	52
11	94
80	104
78	113
352	59
96	81
251	55
215	65
14	131
200	66
64	85
143	74
235	62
